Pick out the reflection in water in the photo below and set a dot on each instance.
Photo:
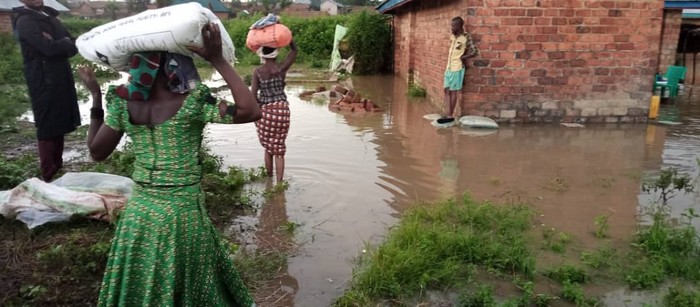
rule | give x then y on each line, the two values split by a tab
274	234
350	176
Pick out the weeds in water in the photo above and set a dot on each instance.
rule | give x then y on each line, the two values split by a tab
604	182
569	273
665	249
290	227
437	247
574	292
416	91
555	243
557	183
481	297
601	226
276	190
668	183
256	268
601	258
678	296
529	297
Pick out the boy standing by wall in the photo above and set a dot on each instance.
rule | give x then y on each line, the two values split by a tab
461	48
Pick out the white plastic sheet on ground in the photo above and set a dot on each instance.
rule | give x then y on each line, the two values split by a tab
94	195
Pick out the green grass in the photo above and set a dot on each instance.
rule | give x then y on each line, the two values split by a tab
416	91
679	296
439	247
452	246
63	263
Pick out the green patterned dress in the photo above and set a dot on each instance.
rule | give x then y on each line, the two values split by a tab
166	251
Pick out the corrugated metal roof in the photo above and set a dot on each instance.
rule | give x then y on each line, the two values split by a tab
681	4
389	5
7	5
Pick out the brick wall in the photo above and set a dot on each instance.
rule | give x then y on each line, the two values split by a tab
5	22
670	33
541	60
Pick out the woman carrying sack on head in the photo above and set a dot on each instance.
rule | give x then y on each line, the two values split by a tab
268	84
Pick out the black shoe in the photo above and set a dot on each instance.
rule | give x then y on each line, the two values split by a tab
445	120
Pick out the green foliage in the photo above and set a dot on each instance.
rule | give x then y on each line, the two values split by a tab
77	26
14	172
601	226
14	101
313	36
11	68
481	297
369	37
668	183
439	246
416	91
574	293
568	273
601	258
678	296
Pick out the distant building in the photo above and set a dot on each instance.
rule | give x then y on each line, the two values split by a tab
332	8
216	6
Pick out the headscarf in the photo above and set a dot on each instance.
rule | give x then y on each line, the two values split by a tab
180	70
263	56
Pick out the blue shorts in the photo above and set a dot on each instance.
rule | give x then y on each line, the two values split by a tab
454	80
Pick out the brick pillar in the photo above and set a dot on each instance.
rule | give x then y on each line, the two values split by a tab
671	31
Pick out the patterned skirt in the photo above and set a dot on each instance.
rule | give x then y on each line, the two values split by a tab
166	252
273	127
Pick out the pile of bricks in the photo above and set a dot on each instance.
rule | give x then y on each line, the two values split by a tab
341	99
350	101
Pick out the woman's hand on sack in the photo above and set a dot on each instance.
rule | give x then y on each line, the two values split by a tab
211	49
87	75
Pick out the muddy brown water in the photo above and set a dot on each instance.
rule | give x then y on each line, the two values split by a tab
351	176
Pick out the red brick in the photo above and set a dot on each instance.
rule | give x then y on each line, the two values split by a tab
578	63
501	12
626	46
538	73
567	13
543	21
534	13
518	12
623	4
559	21
499	46
525	21
600	88
602	71
498	63
556	55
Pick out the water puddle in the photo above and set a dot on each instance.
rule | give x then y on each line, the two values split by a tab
352	175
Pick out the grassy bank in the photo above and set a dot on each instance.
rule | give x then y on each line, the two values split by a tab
470	253
63	263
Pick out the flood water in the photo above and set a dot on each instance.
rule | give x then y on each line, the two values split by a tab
352	175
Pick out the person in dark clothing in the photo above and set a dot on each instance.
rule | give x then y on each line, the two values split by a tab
46	47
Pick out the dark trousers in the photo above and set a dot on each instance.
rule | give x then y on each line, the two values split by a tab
50	157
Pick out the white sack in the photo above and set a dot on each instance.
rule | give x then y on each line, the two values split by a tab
171	29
